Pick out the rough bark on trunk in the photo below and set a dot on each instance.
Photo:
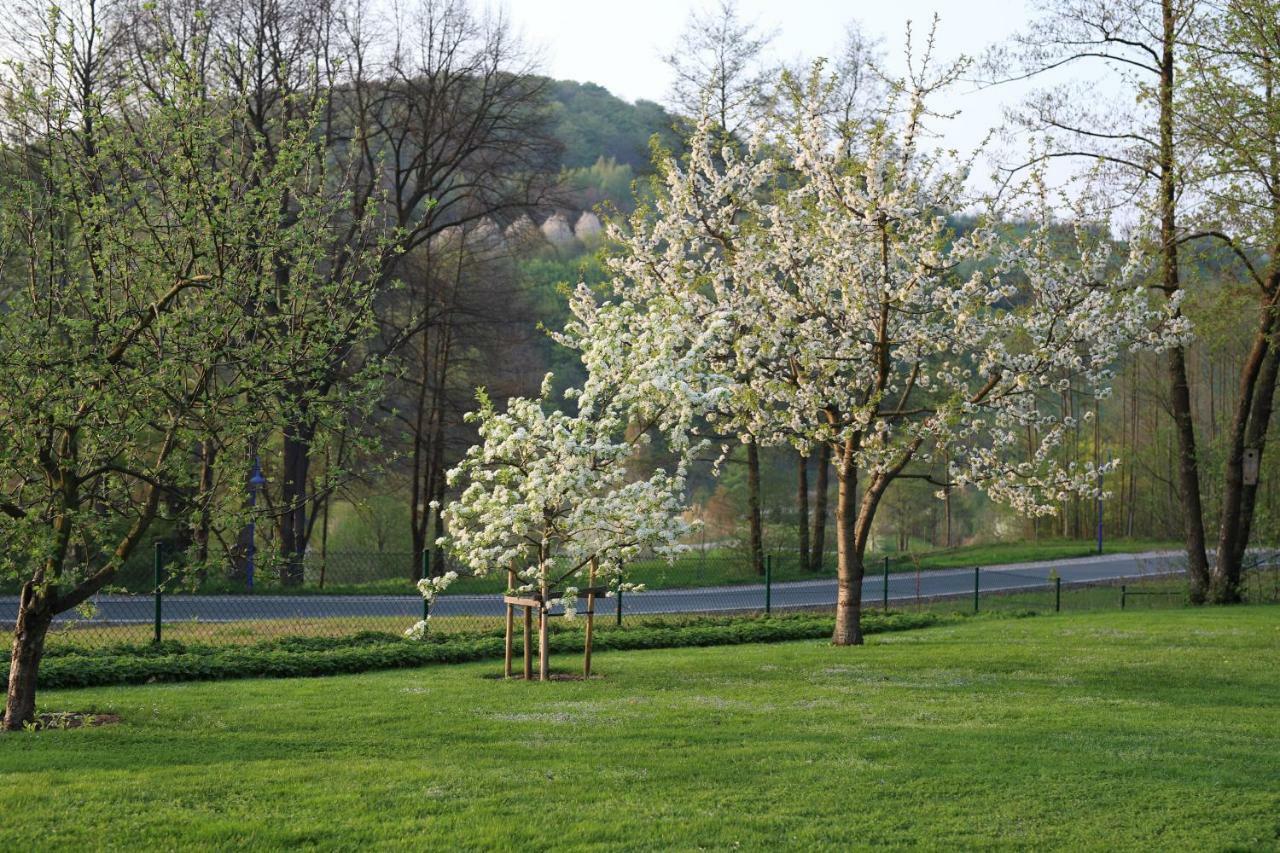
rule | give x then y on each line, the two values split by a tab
802	511
820	509
34	617
849	567
1248	431
1180	390
1188	477
753	507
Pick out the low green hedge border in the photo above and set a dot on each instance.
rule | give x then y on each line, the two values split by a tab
315	656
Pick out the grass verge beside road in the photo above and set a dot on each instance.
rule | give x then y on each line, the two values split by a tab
727	567
1152	730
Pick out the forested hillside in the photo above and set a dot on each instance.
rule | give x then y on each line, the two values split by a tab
593	124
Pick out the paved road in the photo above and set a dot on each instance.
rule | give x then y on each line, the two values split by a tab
122	609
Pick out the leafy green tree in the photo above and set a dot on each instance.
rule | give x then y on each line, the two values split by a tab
141	314
1232	114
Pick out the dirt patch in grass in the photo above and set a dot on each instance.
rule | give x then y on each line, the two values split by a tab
74	720
551	676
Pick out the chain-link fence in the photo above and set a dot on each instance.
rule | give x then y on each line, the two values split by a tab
349	593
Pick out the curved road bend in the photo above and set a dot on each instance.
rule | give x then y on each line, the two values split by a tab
124	609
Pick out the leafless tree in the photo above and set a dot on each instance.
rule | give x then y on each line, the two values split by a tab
1137	136
721	67
439	122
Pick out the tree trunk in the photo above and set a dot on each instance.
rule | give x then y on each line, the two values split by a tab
1180	391
820	509
849	567
293	518
34	617
802	510
1188	477
208	456
438	553
753	506
1248	431
418	509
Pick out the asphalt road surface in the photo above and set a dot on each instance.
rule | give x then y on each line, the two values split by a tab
125	609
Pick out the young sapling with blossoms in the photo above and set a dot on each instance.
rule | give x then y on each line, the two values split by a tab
550	498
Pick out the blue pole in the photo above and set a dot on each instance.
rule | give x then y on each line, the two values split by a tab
1097	448
768	584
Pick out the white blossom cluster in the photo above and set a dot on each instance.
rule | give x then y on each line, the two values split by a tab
548	493
431	587
797	295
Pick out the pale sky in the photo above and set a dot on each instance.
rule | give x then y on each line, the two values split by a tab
620	44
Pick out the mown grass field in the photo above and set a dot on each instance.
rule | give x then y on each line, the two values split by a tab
1136	730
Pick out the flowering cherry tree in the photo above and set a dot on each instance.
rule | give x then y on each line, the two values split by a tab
551	495
801	295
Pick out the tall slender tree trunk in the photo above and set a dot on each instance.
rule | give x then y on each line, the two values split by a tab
437	553
1188	477
820	509
428	441
418	493
1180	389
293	519
208	455
35	615
753	506
802	510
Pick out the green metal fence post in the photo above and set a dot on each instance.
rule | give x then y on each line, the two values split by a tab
768	584
886	584
1057	595
619	618
1122	594
159	593
426	573
976	570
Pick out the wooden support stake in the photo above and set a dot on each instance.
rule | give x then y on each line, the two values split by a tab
591	617
544	648
506	646
511	620
528	644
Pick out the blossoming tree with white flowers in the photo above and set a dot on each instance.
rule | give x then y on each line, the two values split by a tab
548	497
803	296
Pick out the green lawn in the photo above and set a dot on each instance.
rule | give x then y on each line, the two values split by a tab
1152	730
